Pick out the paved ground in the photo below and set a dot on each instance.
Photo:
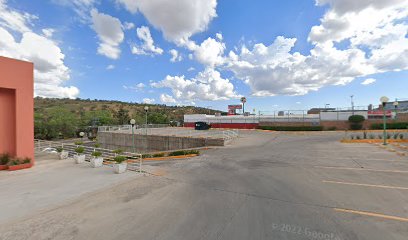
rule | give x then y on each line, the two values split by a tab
264	186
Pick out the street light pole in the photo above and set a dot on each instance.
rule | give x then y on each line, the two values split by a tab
384	101
146	109
133	122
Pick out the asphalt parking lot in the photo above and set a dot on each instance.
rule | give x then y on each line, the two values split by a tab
265	185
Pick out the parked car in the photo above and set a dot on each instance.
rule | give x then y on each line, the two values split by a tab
202	126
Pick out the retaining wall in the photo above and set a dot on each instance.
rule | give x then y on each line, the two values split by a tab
152	143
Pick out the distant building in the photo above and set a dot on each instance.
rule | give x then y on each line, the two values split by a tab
402	105
318	110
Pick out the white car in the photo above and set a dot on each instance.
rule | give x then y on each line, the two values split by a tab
50	150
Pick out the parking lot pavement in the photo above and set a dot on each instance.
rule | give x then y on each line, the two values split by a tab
50	183
265	185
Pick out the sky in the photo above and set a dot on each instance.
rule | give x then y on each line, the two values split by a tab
280	55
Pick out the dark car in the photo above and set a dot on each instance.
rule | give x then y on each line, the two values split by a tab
202	126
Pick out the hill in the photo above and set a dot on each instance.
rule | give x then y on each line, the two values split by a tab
64	118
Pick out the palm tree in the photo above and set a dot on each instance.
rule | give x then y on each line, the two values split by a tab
243	101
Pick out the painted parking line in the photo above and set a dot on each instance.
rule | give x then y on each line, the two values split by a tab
366	185
372	214
362	169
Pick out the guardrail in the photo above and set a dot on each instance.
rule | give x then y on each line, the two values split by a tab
107	154
129	127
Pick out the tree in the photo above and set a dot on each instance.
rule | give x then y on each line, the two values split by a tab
122	116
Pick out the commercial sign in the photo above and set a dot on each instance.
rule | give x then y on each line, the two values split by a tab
388	113
234	107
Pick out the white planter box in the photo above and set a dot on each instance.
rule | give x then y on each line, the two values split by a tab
96	162
119	168
79	158
63	155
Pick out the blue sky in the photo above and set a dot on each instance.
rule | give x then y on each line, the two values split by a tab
293	54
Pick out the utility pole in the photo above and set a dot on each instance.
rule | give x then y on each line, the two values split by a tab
352	104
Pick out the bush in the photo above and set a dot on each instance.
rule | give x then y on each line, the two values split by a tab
332	128
59	149
177	153
355	122
120	159
146	155
79	143
292	128
356	119
96	154
118	151
4	158
18	161
158	155
399	125
371	136
79	150
97	145
401	136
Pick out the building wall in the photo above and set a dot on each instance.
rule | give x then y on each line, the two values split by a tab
17	108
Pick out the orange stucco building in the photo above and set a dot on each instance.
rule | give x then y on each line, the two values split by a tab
16	108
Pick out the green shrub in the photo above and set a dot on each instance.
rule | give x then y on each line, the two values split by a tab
358	137
79	150
388	136
96	154
395	136
4	158
401	136
399	125
192	152
18	161
351	137
119	159
59	149
177	153
146	155
158	155
79	143
118	151
97	145
371	136
292	128
356	119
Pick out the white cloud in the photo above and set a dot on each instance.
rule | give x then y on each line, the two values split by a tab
210	52
368	81
128	25
148	100
369	45
80	7
50	71
110	67
207	85
48	32
15	20
147	47
190	69
177	19
175	56
165	98
138	87
110	33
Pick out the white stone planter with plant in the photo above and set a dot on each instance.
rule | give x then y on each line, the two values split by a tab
79	157
120	164
96	160
61	153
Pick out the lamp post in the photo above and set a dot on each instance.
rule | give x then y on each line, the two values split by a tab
133	122
146	108
395	108
82	134
384	101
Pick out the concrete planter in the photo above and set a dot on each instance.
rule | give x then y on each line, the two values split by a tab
96	162
63	155
19	167
119	167
3	167
79	159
